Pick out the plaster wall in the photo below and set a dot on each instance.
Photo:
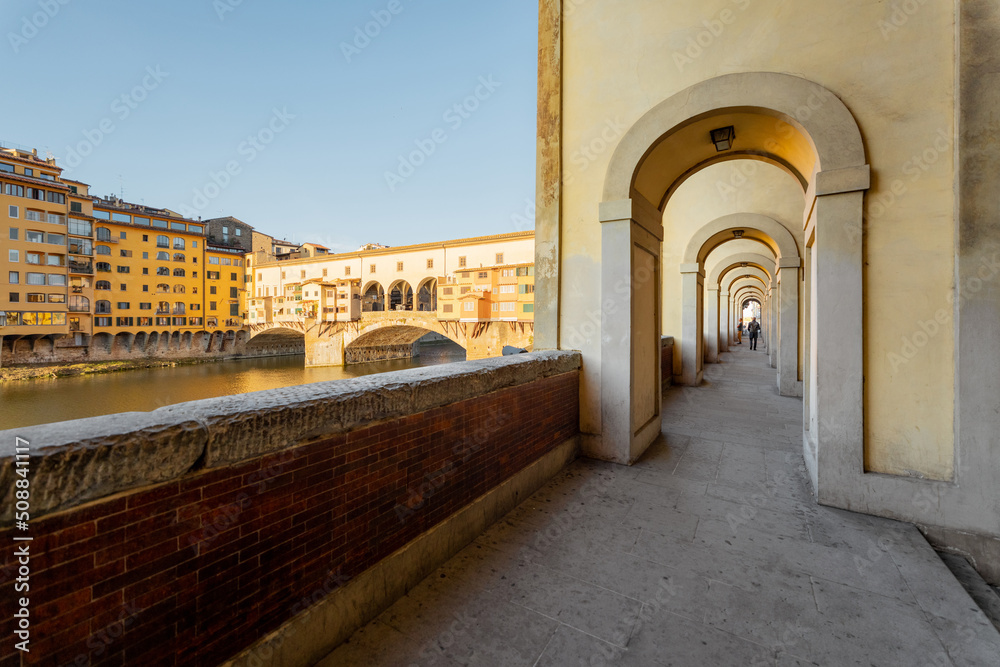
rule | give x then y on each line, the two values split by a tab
621	58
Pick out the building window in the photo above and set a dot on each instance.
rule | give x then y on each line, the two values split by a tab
302	274
14	277
145	255
103	234
233	276
347	270
211	289
124	253
14	255
211	305
399	266
102	250
102	307
34	237
325	273
178	273
526	271
103	285
179	257
371	268
14	297
145	237
162	271
482	275
461	260
104	267
448	308
507	306
282	275
13	233
162	287
234	293
470	305
163	256
529	308
178	244
526	289
124	305
499	258
162	242
124	269
121	235
13	211
213	275
102	321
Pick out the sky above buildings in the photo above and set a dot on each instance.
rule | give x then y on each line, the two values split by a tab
347	122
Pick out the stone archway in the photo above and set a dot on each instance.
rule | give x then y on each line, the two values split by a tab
713	283
653	157
779	241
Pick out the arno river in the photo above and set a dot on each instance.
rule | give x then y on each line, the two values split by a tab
29	402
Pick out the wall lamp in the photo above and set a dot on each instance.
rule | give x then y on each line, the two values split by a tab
738	233
723	138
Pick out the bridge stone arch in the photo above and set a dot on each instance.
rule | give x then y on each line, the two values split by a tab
274	340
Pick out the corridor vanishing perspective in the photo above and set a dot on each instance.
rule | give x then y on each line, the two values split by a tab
709	550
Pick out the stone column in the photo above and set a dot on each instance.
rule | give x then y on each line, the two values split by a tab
692	342
838	340
788	328
631	389
772	326
724	321
711	326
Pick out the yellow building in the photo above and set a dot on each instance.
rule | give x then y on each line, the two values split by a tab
502	293
80	259
224	282
33	258
149	270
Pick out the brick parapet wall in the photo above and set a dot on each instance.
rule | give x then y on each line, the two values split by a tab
230	538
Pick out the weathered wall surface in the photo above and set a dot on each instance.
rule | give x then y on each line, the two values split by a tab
155	345
183	535
621	58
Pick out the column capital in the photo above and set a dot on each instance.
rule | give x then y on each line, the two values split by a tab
693	267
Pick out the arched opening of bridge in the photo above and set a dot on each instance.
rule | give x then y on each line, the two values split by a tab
427	295
400	296
400	342
373	298
275	342
784	122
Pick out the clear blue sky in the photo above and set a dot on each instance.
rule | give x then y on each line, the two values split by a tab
222	68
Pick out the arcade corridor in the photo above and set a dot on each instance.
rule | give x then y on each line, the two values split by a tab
709	551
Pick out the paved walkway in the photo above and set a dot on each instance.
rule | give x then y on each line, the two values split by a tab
709	551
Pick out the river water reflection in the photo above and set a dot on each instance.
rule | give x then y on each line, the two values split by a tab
30	402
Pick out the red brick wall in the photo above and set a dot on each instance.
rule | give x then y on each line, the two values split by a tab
193	571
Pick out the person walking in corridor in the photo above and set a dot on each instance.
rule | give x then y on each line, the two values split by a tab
754	330
739	332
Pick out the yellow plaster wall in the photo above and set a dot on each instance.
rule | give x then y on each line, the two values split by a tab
622	57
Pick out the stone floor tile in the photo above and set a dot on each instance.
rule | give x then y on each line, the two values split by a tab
597	611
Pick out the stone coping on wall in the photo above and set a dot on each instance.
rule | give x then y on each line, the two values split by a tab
666	341
78	461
